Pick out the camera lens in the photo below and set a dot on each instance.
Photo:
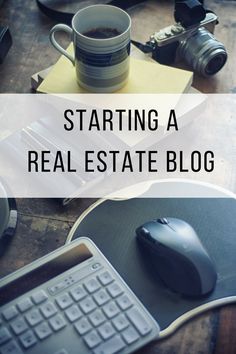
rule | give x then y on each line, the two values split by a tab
203	52
215	64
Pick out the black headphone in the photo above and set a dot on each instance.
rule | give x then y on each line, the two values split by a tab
51	10
187	12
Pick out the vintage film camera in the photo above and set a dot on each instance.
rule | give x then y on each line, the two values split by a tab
190	39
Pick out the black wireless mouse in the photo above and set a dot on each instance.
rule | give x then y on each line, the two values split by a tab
179	256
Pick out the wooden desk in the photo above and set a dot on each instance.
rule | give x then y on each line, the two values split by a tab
43	224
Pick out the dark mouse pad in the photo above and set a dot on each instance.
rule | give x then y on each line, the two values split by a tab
111	225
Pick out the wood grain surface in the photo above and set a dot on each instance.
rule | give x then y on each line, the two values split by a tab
44	224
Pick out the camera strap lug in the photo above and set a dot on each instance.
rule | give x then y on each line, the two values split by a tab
146	48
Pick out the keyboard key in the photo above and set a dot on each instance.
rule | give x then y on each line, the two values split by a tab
106	330
39	297
57	322
61	351
34	317
19	325
9	313
73	313
5	335
114	290
101	297
83	326
105	278
112	346
120	322
138	320
78	293
64	301
25	304
130	335
28	339
11	348
87	305
96	265
97	317
43	330
92	339
92	285
124	302
111	309
55	289
48	309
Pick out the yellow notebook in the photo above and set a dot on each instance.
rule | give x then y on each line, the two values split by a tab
145	77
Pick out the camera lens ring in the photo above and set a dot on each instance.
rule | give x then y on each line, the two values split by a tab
212	50
215	63
203	53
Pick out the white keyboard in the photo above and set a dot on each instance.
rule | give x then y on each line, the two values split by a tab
72	301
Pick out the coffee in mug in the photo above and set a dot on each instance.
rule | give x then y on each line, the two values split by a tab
102	33
101	38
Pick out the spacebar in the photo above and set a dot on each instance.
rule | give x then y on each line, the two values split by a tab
111	346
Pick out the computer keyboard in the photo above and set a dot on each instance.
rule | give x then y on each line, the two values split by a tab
86	309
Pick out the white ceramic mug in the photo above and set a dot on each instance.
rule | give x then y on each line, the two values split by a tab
102	65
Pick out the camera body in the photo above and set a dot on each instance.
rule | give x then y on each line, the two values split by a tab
195	44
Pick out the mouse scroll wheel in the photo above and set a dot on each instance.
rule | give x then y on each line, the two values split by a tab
163	221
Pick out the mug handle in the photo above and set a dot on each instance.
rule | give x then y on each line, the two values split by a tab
57	28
